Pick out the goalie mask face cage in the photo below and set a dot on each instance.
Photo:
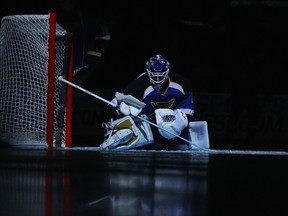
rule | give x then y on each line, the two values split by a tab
157	68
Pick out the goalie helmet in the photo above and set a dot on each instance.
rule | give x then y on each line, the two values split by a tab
157	68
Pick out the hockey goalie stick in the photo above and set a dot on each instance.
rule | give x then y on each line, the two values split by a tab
116	106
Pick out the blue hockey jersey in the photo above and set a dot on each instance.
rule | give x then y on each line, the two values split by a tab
176	94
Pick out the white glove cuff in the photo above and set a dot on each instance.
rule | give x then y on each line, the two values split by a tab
124	108
181	119
127	110
134	111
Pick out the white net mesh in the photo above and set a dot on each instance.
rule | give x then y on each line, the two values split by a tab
24	80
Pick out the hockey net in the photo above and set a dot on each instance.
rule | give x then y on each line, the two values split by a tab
35	107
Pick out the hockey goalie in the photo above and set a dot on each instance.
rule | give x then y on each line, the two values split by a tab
160	99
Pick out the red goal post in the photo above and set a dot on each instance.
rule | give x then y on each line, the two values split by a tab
35	107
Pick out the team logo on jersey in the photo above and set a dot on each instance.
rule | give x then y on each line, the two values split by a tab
167	104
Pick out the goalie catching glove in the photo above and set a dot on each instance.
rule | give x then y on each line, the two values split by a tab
127	104
171	123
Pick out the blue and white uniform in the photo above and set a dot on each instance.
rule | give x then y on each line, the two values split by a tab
176	94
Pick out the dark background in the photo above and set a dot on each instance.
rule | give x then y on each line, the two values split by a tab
234	52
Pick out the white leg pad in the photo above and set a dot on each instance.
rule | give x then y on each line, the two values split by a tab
119	137
142	136
125	134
